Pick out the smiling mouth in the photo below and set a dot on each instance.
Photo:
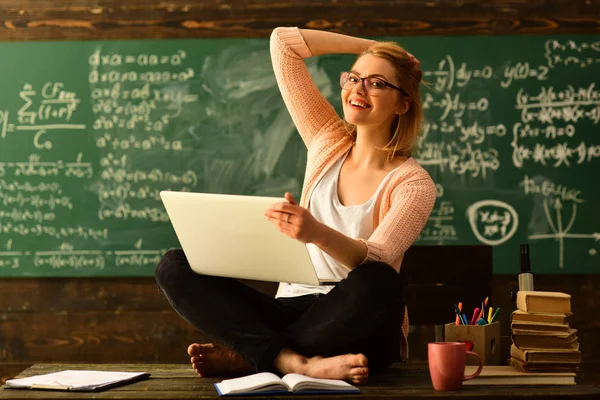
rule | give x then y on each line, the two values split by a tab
361	105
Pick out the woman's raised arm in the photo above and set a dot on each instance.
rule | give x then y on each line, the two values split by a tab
310	110
322	42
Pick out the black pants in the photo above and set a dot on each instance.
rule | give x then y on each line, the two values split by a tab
362	314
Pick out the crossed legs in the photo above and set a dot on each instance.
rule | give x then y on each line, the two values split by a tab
344	334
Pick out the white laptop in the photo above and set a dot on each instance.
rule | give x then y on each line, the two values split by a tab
229	235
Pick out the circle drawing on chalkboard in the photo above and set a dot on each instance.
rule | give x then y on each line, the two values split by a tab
493	221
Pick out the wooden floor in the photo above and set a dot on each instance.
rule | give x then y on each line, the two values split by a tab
178	381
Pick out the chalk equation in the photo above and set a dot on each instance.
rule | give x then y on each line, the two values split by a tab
509	141
555	214
493	222
80	259
440	226
572	53
46	109
66	256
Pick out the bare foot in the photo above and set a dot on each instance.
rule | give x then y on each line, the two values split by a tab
349	367
213	360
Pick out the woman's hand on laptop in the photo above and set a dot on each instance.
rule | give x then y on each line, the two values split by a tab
295	221
298	223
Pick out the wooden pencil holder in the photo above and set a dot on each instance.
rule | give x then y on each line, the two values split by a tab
485	339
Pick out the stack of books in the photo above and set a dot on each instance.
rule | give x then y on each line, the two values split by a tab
542	340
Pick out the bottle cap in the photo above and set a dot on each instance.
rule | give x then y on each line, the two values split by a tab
525	266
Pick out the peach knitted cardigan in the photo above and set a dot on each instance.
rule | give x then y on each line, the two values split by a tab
405	202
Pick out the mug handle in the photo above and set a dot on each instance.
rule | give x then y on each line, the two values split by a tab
470	353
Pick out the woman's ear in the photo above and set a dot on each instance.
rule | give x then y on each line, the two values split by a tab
404	105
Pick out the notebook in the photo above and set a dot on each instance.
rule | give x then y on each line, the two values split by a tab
79	381
507	375
229	235
269	383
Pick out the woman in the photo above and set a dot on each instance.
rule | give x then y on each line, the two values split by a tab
364	202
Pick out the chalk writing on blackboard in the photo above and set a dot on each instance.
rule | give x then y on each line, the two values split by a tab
88	145
572	53
458	132
493	222
556	213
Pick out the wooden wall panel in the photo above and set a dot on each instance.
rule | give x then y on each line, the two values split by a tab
120	19
128	320
92	294
96	337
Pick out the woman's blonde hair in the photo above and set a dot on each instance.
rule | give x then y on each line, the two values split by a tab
405	127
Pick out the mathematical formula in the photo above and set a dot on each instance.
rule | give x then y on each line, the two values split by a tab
97	158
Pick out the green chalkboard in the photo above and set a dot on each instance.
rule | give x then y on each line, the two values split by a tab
91	131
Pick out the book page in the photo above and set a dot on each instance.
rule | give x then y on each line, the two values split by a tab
70	379
252	383
302	382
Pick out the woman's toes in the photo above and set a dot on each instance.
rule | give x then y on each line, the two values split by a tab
193	349
360	379
360	375
199	368
361	360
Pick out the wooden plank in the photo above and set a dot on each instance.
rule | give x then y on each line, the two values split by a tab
96	336
85	294
409	381
453	264
27	295
44	325
125	337
113	19
418	338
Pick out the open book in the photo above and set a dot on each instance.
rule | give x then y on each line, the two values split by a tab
83	381
268	383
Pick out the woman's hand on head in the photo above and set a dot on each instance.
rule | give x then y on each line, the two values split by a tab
295	221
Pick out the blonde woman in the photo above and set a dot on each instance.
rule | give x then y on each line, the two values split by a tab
364	202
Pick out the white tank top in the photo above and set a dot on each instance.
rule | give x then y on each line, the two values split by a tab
355	221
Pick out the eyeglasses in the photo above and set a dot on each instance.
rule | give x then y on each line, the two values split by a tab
370	85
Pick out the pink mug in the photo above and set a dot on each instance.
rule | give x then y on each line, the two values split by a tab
447	365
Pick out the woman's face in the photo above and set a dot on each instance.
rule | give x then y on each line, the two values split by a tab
369	107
